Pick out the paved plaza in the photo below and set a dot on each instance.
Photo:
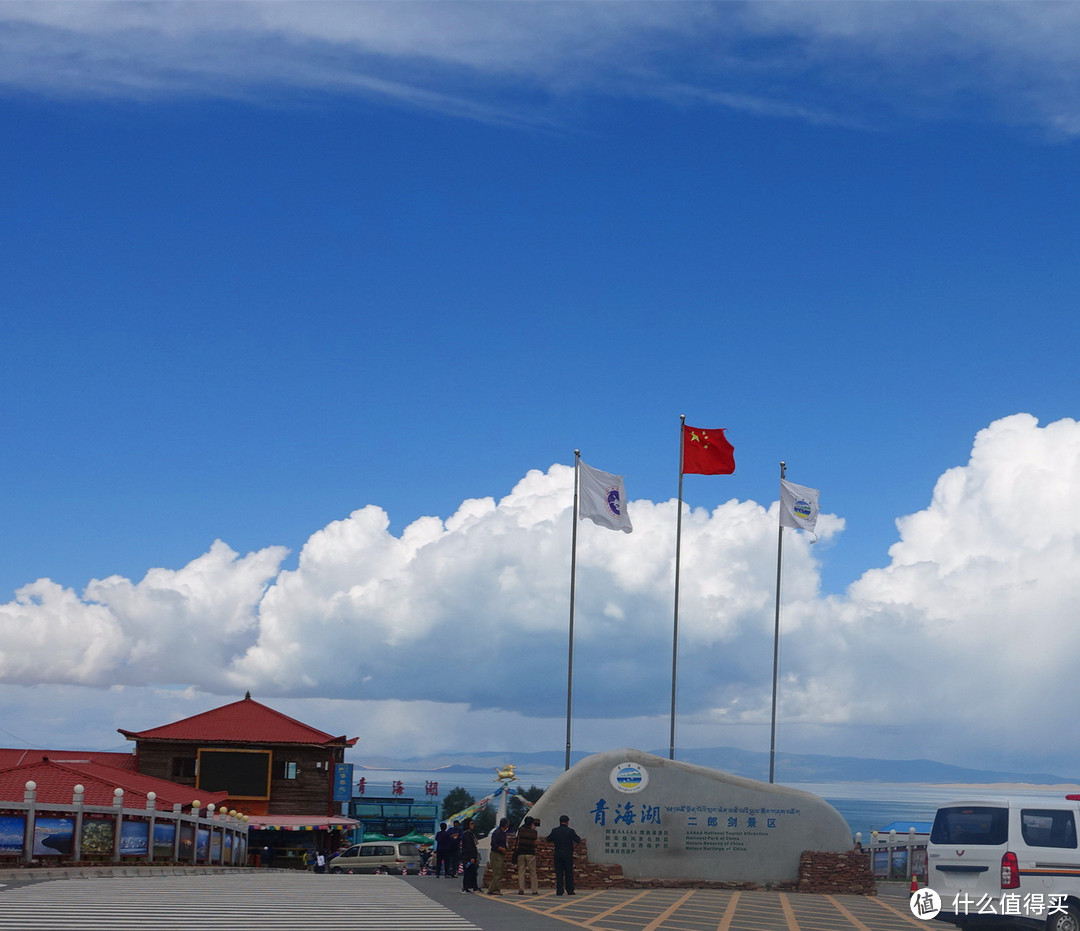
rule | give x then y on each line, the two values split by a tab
687	910
267	900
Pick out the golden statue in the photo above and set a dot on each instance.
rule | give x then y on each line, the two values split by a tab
505	774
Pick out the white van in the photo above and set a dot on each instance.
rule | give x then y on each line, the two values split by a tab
390	856
1013	861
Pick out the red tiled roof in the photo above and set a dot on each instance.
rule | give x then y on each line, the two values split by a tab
14	757
56	782
244	721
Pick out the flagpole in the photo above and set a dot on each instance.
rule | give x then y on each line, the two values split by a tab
675	625
776	634
573	581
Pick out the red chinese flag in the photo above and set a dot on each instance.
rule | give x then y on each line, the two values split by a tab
706	452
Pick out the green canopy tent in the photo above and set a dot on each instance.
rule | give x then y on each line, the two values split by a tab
417	838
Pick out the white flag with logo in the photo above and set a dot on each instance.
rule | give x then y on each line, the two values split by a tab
602	499
798	506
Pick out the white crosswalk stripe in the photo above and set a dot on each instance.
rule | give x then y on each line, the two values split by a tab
245	902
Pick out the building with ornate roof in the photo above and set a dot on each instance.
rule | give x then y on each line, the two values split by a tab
268	763
288	778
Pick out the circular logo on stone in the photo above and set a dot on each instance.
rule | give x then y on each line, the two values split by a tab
629	777
925	904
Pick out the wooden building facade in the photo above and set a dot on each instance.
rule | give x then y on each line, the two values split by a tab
268	763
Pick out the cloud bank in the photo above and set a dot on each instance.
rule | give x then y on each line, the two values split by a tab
968	631
510	62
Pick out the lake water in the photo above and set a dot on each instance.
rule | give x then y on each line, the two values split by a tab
865	806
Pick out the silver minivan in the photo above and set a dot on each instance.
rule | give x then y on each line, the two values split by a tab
386	856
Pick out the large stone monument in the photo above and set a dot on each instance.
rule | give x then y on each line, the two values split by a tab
663	819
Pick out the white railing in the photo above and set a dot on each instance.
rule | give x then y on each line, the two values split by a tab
32	833
896	856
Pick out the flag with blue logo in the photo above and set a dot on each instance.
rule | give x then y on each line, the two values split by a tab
602	499
798	506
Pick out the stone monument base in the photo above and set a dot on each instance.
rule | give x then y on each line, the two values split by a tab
820	872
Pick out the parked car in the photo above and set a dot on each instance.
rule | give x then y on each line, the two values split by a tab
1010	860
387	856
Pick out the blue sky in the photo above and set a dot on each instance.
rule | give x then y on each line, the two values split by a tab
268	264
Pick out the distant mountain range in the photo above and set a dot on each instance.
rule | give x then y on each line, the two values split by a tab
790	767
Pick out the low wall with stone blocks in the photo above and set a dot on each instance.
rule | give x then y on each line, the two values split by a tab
836	873
821	872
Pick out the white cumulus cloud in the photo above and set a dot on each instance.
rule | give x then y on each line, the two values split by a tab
960	649
173	626
963	644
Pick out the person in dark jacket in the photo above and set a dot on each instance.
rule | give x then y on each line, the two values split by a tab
563	839
525	856
470	857
442	852
454	851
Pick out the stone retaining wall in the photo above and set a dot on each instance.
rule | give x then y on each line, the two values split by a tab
836	873
820	872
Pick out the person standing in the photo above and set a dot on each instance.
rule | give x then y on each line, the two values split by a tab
469	857
498	857
525	856
442	852
453	852
563	839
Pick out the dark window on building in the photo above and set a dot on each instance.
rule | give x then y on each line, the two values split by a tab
287	769
241	773
183	767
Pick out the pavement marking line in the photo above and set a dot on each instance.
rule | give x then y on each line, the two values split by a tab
729	912
578	899
667	912
650	910
843	909
617	907
547	914
911	919
789	914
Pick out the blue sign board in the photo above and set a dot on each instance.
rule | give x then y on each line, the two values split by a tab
343	782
